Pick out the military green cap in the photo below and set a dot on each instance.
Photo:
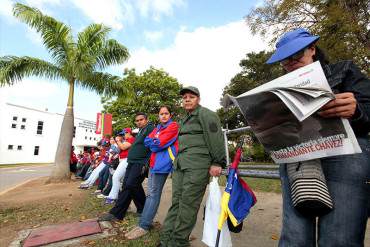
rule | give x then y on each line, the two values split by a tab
190	89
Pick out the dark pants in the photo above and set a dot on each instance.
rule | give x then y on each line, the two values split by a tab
73	167
82	172
132	190
103	177
108	186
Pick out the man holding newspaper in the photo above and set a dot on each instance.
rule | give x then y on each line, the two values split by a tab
315	121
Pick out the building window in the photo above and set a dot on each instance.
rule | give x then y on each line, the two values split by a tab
15	118
94	138
19	147
90	138
90	130
85	130
14	126
40	126
23	127
36	151
24	120
10	147
85	137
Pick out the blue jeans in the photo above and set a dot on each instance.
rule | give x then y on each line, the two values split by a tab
156	182
103	177
347	177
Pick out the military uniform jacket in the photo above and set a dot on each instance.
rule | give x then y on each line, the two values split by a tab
201	142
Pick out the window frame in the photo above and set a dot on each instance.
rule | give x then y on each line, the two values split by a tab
37	128
36	151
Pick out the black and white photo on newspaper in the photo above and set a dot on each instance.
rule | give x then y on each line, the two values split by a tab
283	115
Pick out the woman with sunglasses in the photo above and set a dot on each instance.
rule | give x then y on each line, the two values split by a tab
347	176
163	143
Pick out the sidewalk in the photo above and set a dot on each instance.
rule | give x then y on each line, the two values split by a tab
261	228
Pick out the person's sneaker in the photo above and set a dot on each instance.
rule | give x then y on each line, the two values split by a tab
83	186
97	192
101	196
135	233
107	217
109	201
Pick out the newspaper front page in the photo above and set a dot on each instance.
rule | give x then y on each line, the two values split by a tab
283	115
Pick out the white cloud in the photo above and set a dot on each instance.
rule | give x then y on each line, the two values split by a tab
30	88
153	36
6	8
114	13
207	58
34	36
157	8
41	3
110	12
33	92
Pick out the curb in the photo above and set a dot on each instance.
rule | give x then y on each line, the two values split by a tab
16	186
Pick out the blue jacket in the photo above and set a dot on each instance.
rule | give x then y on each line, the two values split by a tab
163	144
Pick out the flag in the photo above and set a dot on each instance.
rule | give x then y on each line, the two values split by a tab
237	198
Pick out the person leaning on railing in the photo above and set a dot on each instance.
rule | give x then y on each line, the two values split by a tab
347	176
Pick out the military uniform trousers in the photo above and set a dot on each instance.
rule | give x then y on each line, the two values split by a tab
188	188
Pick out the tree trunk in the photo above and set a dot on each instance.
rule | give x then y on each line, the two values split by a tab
61	171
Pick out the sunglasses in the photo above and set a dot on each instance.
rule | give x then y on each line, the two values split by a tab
296	56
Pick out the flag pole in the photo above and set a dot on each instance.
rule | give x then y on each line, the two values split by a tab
218	237
233	165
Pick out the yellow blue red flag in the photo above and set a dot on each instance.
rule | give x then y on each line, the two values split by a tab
237	198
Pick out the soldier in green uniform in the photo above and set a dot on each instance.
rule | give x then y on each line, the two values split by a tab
201	154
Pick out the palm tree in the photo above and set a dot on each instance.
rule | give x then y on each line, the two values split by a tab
78	62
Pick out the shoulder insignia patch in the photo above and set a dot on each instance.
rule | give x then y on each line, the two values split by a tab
213	127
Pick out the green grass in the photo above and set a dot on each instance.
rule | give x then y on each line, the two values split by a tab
256	163
264	185
52	212
32	216
258	184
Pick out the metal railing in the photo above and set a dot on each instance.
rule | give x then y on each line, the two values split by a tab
253	170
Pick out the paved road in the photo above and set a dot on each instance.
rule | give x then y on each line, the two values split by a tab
10	177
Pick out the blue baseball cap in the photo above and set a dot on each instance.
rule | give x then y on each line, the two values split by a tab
124	131
291	43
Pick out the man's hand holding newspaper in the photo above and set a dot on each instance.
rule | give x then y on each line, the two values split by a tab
292	118
344	105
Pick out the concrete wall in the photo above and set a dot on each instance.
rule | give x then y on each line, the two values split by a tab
24	137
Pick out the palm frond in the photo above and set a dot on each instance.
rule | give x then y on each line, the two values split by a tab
92	37
13	69
90	41
56	35
111	54
102	83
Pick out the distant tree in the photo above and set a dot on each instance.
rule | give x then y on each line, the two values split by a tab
78	62
344	25
146	93
255	72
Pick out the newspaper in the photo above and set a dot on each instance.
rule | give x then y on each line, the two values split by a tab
283	115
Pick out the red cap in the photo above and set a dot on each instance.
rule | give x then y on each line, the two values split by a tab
128	130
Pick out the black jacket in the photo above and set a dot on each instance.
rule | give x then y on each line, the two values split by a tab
345	76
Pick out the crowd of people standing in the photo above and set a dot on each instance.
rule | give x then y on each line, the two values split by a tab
193	150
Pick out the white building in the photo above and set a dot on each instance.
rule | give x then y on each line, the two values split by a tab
31	136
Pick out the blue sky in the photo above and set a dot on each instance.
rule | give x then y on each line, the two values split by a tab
200	42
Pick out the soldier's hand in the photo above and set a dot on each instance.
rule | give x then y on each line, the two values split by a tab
215	171
344	105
